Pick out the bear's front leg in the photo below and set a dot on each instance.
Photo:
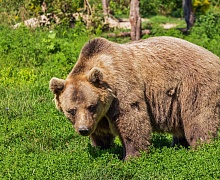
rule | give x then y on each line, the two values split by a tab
102	136
135	131
129	149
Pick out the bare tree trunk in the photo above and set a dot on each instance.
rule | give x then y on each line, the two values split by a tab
188	13
44	7
105	6
88	9
135	20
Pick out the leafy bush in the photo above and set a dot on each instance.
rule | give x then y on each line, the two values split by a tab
120	8
208	24
17	11
160	7
201	5
206	32
31	49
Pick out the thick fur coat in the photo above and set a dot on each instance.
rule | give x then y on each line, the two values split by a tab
161	84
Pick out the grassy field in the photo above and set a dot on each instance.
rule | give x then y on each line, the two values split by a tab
37	142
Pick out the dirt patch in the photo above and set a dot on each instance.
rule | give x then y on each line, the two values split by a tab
125	23
168	25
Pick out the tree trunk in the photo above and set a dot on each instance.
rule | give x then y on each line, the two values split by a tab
135	20
87	7
188	13
105	6
44	7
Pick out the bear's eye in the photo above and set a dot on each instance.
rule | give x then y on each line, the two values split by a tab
72	112
92	108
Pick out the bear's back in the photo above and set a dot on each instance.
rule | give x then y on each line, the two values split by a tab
161	56
172	50
157	56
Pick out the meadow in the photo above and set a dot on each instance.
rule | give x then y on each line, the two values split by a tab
38	142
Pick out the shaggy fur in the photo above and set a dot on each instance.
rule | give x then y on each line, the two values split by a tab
161	84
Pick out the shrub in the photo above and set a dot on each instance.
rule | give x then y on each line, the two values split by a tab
206	32
160	7
208	24
201	6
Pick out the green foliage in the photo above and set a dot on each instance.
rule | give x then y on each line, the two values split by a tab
120	8
9	76
160	7
13	11
206	32
67	6
20	48
201	5
208	24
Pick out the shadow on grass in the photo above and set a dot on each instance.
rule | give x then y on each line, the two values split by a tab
161	140
158	141
96	152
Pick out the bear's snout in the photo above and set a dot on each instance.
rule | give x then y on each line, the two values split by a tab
84	131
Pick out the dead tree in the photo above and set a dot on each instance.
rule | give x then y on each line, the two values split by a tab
188	13
135	20
105	6
44	7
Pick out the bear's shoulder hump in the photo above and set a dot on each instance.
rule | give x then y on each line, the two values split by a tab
95	46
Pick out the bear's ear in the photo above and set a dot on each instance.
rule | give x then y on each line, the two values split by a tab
95	75
56	85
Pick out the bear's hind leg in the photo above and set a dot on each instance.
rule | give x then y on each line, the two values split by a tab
201	121
196	134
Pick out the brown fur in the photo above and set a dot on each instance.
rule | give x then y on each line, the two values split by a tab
161	84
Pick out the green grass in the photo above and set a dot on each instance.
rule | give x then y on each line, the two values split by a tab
159	21
38	142
165	19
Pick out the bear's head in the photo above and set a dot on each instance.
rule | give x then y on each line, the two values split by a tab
84	99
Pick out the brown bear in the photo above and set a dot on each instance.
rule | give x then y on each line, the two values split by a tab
161	84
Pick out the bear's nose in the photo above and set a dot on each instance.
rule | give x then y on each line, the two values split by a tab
84	131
